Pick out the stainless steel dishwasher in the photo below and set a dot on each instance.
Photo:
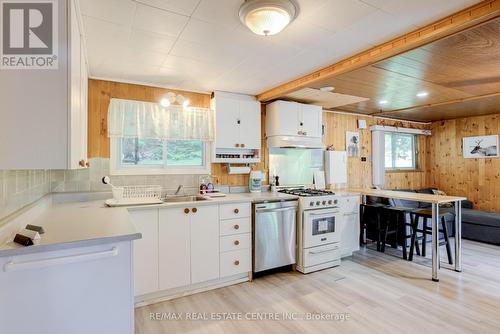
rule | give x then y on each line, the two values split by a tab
274	242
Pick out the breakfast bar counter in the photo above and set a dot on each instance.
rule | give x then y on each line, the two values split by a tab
434	200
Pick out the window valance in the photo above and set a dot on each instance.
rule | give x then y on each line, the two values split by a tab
137	119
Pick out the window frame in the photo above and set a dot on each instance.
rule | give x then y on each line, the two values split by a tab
116	168
414	152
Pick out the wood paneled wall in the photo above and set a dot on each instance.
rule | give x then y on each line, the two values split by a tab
476	179
100	94
360	172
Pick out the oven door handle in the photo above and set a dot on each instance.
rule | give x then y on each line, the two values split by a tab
323	214
276	210
324	250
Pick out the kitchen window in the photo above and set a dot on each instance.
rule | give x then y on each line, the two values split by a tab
400	151
149	139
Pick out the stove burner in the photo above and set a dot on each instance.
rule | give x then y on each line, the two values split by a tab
306	192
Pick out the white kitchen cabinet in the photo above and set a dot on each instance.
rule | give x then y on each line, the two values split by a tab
78	290
238	128
227	127
204	243
310	119
145	251
45	121
350	229
293	121
174	248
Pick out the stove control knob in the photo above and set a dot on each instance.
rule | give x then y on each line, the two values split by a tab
324	202
335	202
311	203
330	202
318	203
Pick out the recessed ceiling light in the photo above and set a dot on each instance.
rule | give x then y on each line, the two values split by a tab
165	103
327	89
267	17
422	94
383	102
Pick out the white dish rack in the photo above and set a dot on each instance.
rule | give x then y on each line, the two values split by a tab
134	195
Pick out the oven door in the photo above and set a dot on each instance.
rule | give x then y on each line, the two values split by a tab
321	227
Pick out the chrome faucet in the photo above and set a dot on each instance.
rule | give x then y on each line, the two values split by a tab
178	189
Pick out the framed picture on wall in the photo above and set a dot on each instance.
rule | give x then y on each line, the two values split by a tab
480	147
352	144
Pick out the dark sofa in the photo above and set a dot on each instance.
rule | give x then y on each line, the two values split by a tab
477	225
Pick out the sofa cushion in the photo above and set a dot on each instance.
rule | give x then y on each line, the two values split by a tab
483	218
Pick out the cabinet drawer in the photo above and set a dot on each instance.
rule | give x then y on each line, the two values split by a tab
235	226
234	262
237	210
235	242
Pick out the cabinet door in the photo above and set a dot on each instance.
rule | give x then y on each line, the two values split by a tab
249	128
310	118
75	129
145	251
350	234
227	127
204	244
83	103
284	119
174	248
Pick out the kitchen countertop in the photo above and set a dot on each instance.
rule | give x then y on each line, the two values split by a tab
77	224
88	223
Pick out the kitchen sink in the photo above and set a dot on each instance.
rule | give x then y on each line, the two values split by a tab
184	199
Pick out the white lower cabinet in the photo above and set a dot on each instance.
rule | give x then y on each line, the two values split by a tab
235	262
204	244
187	246
350	229
145	251
77	290
174	235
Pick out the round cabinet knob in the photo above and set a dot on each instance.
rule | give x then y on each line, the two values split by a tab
330	202
236	242
87	164
301	123
236	263
237	145
236	227
242	145
324	202
81	163
194	210
236	211
318	203
186	210
311	203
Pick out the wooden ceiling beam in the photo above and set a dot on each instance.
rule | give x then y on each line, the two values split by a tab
464	19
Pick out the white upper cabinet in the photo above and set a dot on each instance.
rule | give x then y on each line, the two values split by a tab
238	128
310	120
249	126
285	118
43	118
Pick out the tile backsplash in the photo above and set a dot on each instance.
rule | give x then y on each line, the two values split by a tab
23	187
19	188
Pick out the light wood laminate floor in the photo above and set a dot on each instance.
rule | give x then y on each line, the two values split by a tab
379	292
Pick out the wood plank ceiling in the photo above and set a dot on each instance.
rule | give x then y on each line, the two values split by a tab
460	74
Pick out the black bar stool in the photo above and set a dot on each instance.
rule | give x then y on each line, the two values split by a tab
426	216
373	214
398	214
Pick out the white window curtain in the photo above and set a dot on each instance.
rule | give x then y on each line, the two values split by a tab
136	119
378	158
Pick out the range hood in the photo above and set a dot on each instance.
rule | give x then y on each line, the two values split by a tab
294	142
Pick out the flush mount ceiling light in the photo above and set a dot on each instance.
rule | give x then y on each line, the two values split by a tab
267	17
327	89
